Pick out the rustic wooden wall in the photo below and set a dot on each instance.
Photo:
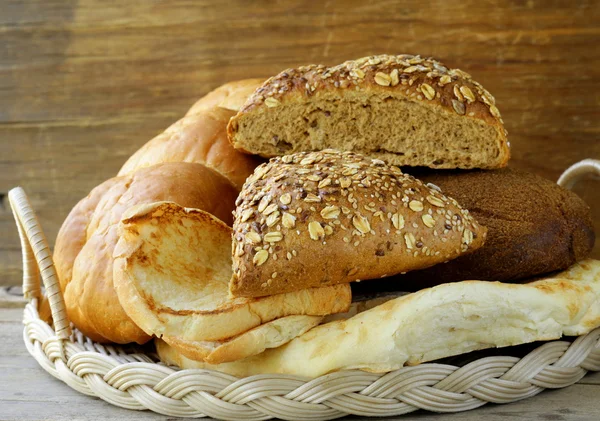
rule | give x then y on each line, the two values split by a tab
84	83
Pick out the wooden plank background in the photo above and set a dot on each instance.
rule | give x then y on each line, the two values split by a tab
84	83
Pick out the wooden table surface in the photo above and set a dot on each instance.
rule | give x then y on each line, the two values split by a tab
85	83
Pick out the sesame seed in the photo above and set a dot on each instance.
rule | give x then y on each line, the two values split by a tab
286	198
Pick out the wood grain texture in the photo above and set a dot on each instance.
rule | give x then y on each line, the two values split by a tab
27	392
84	83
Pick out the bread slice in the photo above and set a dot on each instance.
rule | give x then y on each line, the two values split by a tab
172	269
434	323
230	96
325	218
268	335
403	109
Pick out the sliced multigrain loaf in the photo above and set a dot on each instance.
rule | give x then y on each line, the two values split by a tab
325	218
171	273
403	109
534	226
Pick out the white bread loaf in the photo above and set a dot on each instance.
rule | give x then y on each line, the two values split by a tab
434	323
85	242
403	109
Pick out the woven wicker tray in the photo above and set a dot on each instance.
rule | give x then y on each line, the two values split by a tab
133	378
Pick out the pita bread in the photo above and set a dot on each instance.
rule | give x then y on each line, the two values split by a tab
171	273
434	323
268	335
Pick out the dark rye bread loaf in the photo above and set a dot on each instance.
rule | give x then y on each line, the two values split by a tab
404	109
534	227
324	218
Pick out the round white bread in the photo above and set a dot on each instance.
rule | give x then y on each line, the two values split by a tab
85	242
198	138
231	96
171	272
434	323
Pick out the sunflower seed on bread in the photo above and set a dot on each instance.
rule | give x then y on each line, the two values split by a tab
367	221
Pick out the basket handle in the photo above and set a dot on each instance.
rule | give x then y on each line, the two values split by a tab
37	259
577	171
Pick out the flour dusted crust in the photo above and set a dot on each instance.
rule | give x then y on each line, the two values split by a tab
324	218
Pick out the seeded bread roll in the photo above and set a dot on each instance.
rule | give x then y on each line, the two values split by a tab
324	218
403	109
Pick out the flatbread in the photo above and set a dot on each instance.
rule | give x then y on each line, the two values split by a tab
434	323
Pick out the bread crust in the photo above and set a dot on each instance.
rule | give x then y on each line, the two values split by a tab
197	138
412	77
231	96
323	218
87	238
534	227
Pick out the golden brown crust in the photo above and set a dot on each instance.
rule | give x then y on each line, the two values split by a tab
85	243
416	78
198	138
323	218
230	96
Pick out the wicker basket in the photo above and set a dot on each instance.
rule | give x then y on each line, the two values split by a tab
133	378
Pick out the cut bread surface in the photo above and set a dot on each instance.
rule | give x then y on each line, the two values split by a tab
403	109
172	269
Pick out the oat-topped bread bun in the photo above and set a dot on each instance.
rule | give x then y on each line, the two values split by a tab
534	226
230	96
171	273
199	138
86	240
323	218
403	109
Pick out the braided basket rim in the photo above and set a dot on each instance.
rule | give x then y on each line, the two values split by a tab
132	377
